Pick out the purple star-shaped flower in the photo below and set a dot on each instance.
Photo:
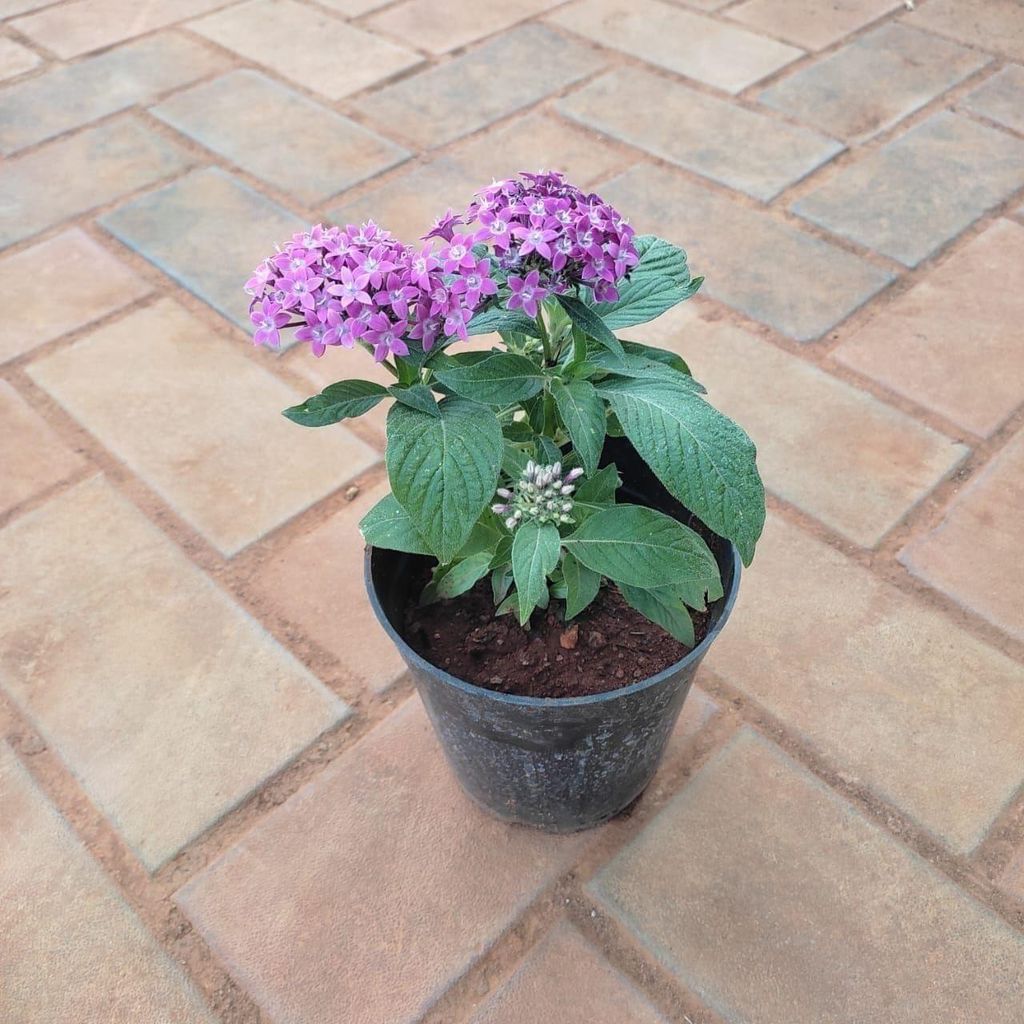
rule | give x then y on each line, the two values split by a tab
526	293
269	318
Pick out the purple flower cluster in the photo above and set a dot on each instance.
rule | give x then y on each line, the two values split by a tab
549	237
343	285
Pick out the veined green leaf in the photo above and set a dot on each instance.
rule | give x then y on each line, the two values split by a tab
387	525
500	379
418	396
583	413
703	458
535	551
462	575
444	469
582	585
599	487
590	322
341	401
664	607
498	319
640	547
640	365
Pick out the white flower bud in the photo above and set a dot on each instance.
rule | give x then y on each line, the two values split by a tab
511	522
499	510
573	474
556	470
568	489
567	506
504	492
518	514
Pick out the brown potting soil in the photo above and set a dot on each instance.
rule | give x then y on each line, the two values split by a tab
607	646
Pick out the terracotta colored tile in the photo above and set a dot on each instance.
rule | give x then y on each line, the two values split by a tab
775	901
9	8
874	82
952	343
473	90
832	450
1001	98
70	176
16	59
974	554
307	46
994	25
1012	878
709	51
78	27
565	979
750	152
240	115
439	26
208	231
70	95
200	423
82	954
808	23
316	582
381	865
698	710
762	266
32	456
167	702
878	683
90	282
917	192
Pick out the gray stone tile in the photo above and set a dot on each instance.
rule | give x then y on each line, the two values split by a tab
1001	98
756	154
995	25
921	190
874	82
767	269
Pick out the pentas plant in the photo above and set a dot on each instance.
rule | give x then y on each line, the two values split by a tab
495	457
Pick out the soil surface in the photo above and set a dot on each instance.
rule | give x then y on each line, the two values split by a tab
607	646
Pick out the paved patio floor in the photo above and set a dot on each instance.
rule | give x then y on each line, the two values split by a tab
220	799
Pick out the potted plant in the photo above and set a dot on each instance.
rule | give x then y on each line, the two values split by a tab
568	514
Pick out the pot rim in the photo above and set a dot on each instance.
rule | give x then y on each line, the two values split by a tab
413	658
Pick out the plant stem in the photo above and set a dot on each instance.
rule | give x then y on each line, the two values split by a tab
545	338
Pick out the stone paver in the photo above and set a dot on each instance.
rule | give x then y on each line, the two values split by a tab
71	95
920	190
70	176
808	23
10	8
307	46
16	59
952	343
82	26
776	902
409	203
208	231
769	270
354	8
874	82
479	87
33	457
830	449
1001	98
202	425
240	116
91	283
166	700
440	26
991	24
974	554
370	908
334	612
566	980
890	691
713	52
750	152
78	952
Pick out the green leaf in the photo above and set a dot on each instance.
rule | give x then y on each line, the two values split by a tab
582	412
462	575
663	607
419	396
600	487
387	525
697	593
632	365
501	583
500	379
659	355
535	551
704	459
591	323
497	319
582	585
341	401
640	547
514	460
444	469
658	282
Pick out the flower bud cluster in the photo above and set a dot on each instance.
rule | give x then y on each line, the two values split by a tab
541	495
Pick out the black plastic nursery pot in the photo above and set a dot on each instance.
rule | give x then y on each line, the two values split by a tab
559	764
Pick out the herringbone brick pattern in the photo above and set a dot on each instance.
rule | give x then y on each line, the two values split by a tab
219	798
